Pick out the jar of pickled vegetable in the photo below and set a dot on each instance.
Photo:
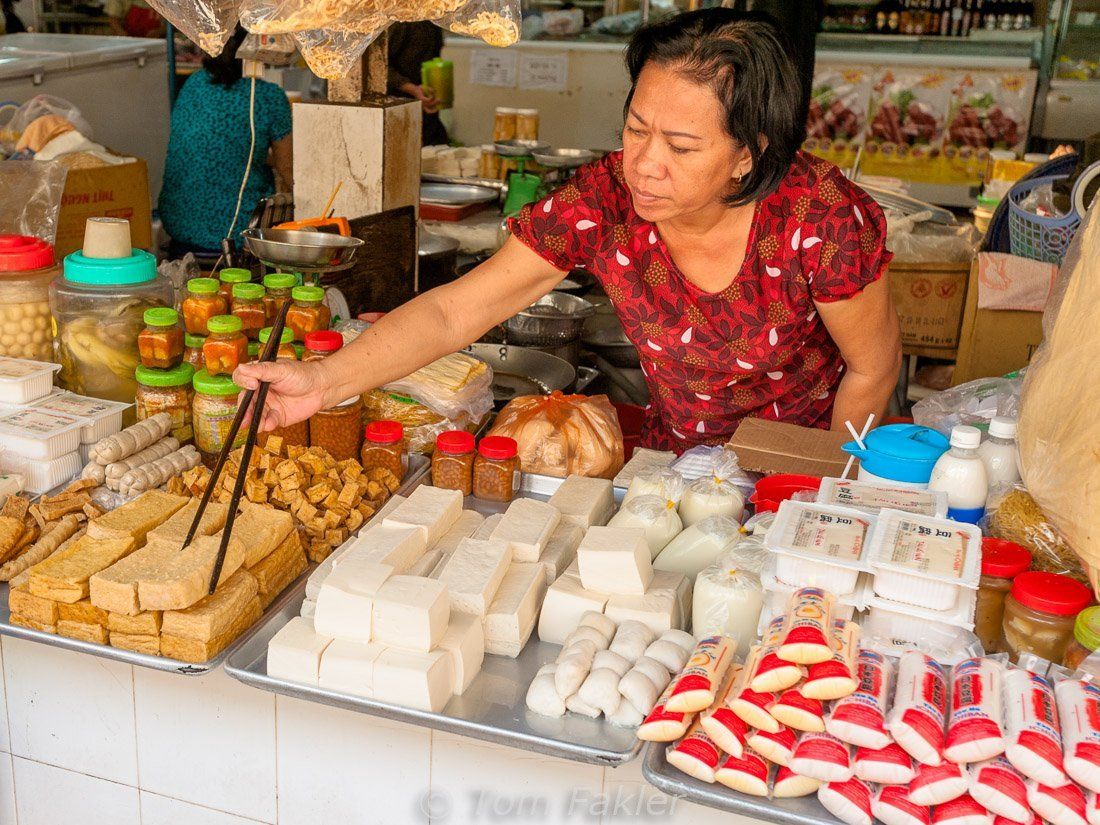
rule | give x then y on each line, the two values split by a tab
277	288
160	344
384	446
338	429
202	303
307	314
1040	611
213	409
286	348
225	348
1086	638
248	305
229	278
192	350
322	343
453	461
496	469
1002	561
26	269
166	391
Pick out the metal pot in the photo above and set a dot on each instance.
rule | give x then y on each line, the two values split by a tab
611	344
551	321
437	256
522	371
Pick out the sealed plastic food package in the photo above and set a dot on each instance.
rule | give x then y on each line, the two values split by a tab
726	600
288	16
1014	515
974	403
494	21
701	545
32	197
331	54
657	481
655	516
208	23
454	385
713	494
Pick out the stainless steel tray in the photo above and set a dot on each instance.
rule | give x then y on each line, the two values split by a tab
664	777
456	194
418	469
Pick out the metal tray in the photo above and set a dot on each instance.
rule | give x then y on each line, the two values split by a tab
455	194
664	777
418	469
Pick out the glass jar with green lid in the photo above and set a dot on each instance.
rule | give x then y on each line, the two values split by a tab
229	277
278	286
286	347
214	406
1086	638
248	305
202	303
168	391
307	314
160	344
225	347
192	350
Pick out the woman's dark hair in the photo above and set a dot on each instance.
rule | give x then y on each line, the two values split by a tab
746	59
226	69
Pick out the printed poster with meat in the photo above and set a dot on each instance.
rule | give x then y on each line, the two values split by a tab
838	112
905	126
989	110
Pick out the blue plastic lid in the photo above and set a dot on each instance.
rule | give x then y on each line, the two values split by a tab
139	268
902	452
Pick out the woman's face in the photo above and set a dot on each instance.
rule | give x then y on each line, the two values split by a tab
678	159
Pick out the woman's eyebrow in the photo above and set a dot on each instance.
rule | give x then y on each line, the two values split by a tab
688	135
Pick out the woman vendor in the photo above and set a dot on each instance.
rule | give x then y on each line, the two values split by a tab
747	273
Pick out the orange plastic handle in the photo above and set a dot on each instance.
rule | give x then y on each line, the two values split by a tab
341	225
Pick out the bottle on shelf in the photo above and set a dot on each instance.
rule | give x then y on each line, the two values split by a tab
961	474
998	452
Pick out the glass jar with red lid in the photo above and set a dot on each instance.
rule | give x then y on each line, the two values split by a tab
1002	561
1040	610
453	461
496	469
321	343
248	305
384	446
26	269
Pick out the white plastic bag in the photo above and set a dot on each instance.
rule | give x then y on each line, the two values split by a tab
974	403
715	494
726	601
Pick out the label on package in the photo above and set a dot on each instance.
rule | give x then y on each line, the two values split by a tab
13	368
829	535
36	422
927	548
854	494
77	405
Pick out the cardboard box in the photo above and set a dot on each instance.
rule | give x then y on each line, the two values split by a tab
930	299
775	447
994	341
106	191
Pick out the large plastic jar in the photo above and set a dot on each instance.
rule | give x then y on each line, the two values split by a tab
1002	561
26	268
99	305
384	446
496	469
453	461
166	391
215	405
1086	638
339	429
1040	611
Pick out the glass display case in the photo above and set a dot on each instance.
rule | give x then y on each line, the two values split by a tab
1072	97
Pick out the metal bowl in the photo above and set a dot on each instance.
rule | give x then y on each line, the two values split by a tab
519	148
554	319
519	371
301	249
564	158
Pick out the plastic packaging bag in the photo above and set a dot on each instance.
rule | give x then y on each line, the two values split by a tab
653	514
727	600
1012	514
332	54
455	385
288	16
494	21
715	494
208	23
658	481
912	241
32	197
974	403
561	435
42	105
702	543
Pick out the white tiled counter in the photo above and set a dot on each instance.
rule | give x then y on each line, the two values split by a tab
95	742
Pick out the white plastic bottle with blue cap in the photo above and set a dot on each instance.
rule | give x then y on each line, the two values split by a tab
961	474
998	452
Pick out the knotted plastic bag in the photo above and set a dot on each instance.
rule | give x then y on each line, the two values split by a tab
716	494
655	515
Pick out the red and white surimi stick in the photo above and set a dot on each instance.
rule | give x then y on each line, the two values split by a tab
1033	737
917	717
777	747
850	801
798	713
1000	820
964	810
747	773
662	725
753	707
702	675
936	784
808	638
837	677
772	674
1001	789
974	731
695	754
860	719
887	766
790	785
721	724
892	806
823	757
1058	806
1079	715
1092	808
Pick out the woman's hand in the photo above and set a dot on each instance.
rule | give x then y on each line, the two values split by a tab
429	101
297	391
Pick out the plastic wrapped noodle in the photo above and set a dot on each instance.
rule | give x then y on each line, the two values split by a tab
1012	514
209	23
701	544
288	16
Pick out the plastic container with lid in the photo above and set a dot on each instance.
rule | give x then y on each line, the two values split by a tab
923	560
22	381
277	287
202	303
230	277
773	489
99	306
41	476
100	418
160	344
248	305
453	461
26	269
1002	561
899	452
496	469
961	474
1086	638
1040	611
321	343
873	497
998	452
168	391
339	429
226	347
213	410
38	434
384	446
286	350
192	350
307	313
817	545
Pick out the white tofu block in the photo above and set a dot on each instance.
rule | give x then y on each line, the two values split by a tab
641	461
615	560
425	564
399	547
657	610
424	681
309	609
411	613
345	605
526	526
680	586
561	550
512	615
584	501
318	576
473	574
430	509
487	527
468	521
295	651
465	642
349	667
566	601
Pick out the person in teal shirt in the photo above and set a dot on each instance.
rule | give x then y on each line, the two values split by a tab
208	153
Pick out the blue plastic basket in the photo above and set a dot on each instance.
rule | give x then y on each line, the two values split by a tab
1034	236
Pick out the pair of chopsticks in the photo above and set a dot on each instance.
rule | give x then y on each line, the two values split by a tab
260	395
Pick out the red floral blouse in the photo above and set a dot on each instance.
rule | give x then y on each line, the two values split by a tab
755	349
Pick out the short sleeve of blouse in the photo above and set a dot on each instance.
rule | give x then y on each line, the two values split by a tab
564	228
276	110
844	244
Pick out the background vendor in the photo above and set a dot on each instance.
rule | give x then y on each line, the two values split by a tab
408	45
747	273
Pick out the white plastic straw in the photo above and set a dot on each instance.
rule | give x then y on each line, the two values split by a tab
859	441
